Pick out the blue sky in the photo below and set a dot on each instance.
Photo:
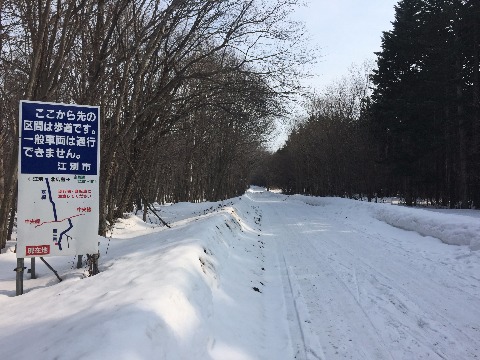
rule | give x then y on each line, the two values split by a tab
346	31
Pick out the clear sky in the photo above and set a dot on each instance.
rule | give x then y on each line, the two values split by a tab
346	31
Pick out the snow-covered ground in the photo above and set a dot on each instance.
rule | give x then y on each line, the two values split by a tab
263	276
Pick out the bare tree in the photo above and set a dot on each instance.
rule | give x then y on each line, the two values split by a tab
205	74
36	40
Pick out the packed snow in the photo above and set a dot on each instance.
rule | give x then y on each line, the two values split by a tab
262	276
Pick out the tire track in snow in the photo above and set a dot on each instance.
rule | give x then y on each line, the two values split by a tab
342	327
382	241
420	323
296	330
355	295
304	344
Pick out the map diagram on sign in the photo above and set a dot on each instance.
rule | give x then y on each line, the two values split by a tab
60	214
57	236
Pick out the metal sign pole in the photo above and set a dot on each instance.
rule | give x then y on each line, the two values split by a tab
19	270
32	268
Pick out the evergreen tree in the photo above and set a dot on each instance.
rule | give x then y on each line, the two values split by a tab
397	106
425	101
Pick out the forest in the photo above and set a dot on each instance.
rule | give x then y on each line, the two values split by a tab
190	92
407	126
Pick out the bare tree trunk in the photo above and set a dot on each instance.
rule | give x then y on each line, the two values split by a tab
476	104
9	200
48	56
12	218
462	139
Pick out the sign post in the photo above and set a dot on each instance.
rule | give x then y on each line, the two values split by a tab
19	276
32	268
58	191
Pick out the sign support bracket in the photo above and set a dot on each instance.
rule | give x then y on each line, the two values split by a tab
51	268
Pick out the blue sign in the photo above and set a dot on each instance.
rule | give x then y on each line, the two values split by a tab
59	138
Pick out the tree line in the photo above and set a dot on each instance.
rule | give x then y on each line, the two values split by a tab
411	128
188	90
331	152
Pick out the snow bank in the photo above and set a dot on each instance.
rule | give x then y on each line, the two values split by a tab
182	293
449	227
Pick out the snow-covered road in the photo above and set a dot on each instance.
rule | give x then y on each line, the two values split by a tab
365	290
264	276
